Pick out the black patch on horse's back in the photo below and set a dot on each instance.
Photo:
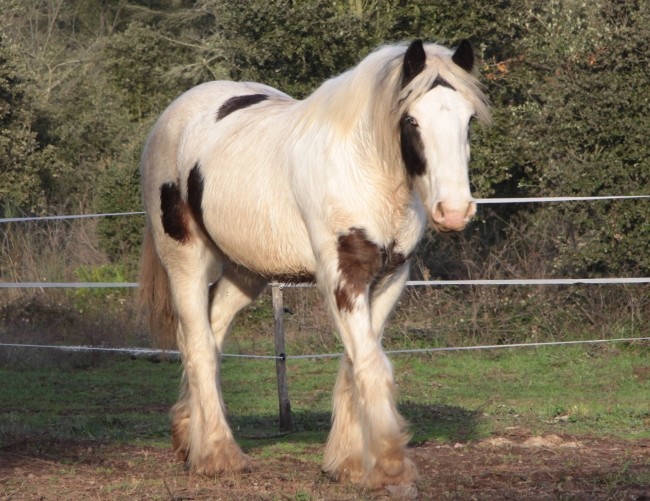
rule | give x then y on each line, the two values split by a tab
238	102
412	148
173	212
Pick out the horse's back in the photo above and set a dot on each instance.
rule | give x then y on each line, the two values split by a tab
191	106
230	136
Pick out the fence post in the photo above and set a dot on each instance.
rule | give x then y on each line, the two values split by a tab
281	361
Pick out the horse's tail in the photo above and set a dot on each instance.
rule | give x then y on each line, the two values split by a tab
155	299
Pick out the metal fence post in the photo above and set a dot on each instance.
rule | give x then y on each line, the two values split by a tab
281	361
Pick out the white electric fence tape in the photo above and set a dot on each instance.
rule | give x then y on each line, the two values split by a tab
479	201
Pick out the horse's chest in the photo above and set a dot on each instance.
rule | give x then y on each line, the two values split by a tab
409	229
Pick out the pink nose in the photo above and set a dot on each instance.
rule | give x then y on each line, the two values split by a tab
446	218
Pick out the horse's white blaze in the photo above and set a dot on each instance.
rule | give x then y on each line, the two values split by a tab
443	116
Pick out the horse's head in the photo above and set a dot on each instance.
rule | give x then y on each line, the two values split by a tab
439	99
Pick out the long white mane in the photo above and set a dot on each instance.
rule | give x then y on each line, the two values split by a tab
369	98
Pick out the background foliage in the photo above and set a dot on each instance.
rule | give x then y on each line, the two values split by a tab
82	81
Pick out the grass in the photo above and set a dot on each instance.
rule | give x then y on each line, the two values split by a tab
446	397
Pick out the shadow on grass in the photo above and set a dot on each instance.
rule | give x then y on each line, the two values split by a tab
78	398
45	438
427	422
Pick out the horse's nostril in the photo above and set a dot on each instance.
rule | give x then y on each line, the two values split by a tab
471	211
438	213
454	217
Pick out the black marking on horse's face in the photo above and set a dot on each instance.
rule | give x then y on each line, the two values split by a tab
412	147
195	194
238	102
173	212
439	81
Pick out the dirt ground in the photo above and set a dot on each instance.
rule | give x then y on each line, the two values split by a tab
514	466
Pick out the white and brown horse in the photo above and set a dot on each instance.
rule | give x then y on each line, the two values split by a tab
243	184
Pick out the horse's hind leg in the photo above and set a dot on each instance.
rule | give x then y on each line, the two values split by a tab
214	449
235	290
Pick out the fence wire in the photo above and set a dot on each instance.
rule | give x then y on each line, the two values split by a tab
174	354
479	201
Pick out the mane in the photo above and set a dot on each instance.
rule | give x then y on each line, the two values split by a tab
367	101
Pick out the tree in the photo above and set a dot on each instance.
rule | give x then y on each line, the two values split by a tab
28	169
583	128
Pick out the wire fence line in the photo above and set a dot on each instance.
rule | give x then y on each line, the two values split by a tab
174	354
280	358
479	201
410	283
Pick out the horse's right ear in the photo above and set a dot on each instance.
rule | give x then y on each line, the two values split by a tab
464	56
414	61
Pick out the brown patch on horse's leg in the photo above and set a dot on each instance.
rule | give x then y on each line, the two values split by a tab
359	261
367	444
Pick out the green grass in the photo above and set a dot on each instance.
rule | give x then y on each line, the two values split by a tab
446	397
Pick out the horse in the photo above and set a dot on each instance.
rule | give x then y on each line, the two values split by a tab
243	185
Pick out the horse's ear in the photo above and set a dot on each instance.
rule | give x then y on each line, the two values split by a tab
414	61
464	56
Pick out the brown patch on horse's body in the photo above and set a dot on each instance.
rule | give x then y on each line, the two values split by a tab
362	262
177	213
174	213
195	195
359	262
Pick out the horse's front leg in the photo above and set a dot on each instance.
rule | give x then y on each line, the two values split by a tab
367	443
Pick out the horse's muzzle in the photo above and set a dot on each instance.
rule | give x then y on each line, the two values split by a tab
447	218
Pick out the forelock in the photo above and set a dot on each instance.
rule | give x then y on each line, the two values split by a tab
440	65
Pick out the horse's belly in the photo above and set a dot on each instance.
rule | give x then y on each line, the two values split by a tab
271	241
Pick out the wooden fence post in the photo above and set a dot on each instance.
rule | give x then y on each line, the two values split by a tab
281	361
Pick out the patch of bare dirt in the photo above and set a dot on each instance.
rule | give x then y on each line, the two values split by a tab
514	466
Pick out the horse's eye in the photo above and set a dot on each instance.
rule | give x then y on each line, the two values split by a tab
411	121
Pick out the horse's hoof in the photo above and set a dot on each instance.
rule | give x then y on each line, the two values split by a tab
222	459
350	470
394	473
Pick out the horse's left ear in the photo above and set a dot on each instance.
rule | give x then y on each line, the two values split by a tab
464	56
414	61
